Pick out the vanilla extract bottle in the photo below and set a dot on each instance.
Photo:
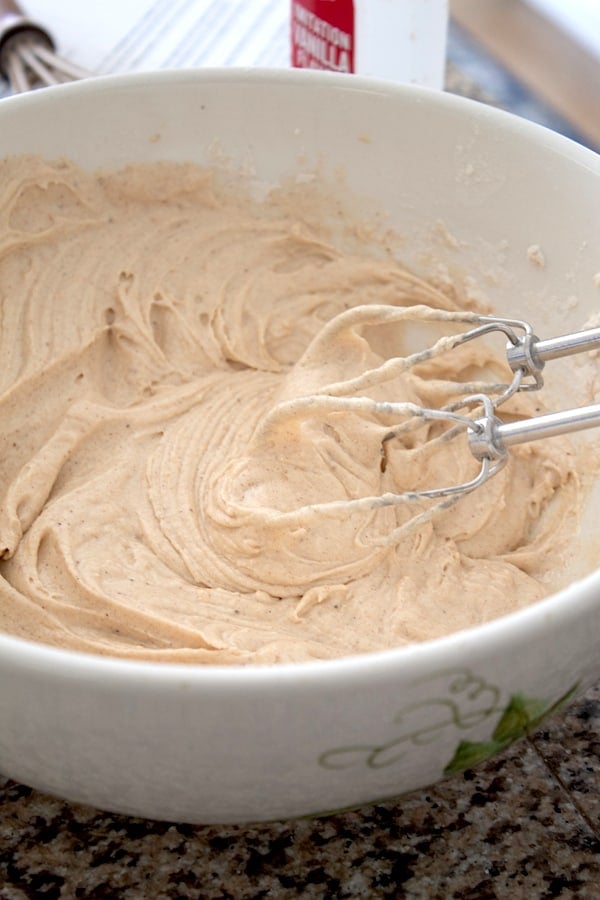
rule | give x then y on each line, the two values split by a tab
399	40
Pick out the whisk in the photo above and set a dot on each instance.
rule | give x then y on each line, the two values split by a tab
473	412
27	53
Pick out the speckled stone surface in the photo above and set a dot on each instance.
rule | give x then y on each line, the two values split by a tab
524	825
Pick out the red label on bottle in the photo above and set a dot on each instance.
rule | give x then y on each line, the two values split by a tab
323	34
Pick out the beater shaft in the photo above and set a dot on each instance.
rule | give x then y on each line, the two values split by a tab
490	437
530	354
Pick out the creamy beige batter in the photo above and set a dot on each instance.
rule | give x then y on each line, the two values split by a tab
152	504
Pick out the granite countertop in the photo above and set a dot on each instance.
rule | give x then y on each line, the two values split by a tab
523	825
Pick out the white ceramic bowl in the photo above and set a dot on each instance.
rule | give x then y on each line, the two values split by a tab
204	744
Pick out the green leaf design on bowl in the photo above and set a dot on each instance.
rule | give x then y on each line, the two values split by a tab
468	700
521	716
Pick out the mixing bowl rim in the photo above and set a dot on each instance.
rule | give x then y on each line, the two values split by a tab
301	78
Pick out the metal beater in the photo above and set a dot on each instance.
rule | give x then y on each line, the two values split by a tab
27	53
488	437
473	413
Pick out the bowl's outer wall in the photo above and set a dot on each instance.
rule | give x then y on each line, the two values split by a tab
468	188
227	746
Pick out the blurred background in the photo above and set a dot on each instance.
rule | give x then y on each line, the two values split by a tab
538	58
